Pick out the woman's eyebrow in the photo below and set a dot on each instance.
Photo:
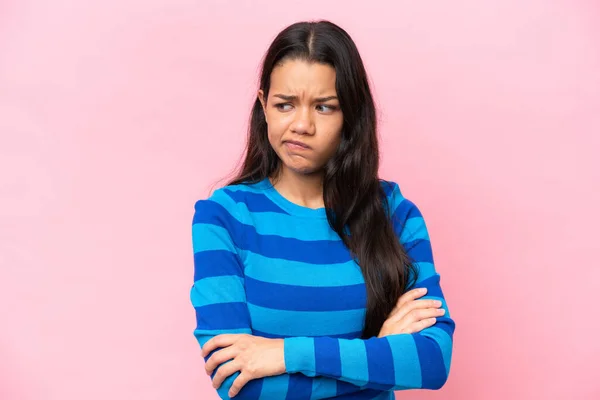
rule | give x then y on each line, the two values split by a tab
293	98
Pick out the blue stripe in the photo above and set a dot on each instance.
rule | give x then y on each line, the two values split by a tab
351	335
425	270
204	335
433	370
343	388
210	213
299	388
419	251
305	323
259	187
414	228
353	358
299	354
445	342
446	324
302	274
274	385
327	356
380	362
388	187
346	391
405	209
301	298
211	237
287	226
250	391
218	289
255	202
216	263
277	386
384	396
433	286
407	369
323	388
222	316
315	252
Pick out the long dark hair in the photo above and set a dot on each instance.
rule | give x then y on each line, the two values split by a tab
352	192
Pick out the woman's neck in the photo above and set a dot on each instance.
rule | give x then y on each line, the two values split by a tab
303	189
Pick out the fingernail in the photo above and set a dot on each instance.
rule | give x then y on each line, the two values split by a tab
423	290
437	303
441	311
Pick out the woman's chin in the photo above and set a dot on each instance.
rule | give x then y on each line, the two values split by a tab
303	169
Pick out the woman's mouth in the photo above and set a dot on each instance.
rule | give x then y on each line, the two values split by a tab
294	145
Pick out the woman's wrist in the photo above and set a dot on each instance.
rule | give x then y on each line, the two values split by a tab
299	355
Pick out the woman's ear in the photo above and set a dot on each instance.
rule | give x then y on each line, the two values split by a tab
263	102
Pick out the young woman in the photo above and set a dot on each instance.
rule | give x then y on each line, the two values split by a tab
314	278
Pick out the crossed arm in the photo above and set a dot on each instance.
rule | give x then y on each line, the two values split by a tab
219	302
321	367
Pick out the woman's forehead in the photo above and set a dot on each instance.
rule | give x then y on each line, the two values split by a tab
301	78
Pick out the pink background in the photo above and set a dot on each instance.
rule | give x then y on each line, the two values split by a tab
115	116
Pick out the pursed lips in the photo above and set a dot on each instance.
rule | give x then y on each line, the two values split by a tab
300	144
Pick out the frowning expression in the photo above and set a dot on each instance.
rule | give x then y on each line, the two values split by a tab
303	115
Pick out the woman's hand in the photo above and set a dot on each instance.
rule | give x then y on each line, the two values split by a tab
254	356
411	315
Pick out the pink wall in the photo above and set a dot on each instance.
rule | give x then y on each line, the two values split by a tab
115	116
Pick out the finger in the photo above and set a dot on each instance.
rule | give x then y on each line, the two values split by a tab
239	383
223	340
225	371
219	357
411	295
414	304
420	325
420	314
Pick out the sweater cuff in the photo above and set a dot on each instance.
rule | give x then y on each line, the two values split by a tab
299	355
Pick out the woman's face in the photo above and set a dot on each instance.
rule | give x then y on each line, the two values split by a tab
302	107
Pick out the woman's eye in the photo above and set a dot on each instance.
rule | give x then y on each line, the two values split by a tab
283	106
326	108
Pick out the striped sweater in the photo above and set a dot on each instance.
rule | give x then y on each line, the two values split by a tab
268	267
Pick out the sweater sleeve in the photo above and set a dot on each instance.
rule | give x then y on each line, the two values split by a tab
219	299
395	362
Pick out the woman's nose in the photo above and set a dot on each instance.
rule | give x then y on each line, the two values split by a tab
303	122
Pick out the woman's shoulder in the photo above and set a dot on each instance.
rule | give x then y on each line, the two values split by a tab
230	200
389	187
396	200
392	191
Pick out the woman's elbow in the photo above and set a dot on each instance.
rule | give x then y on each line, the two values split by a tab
435	360
437	382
